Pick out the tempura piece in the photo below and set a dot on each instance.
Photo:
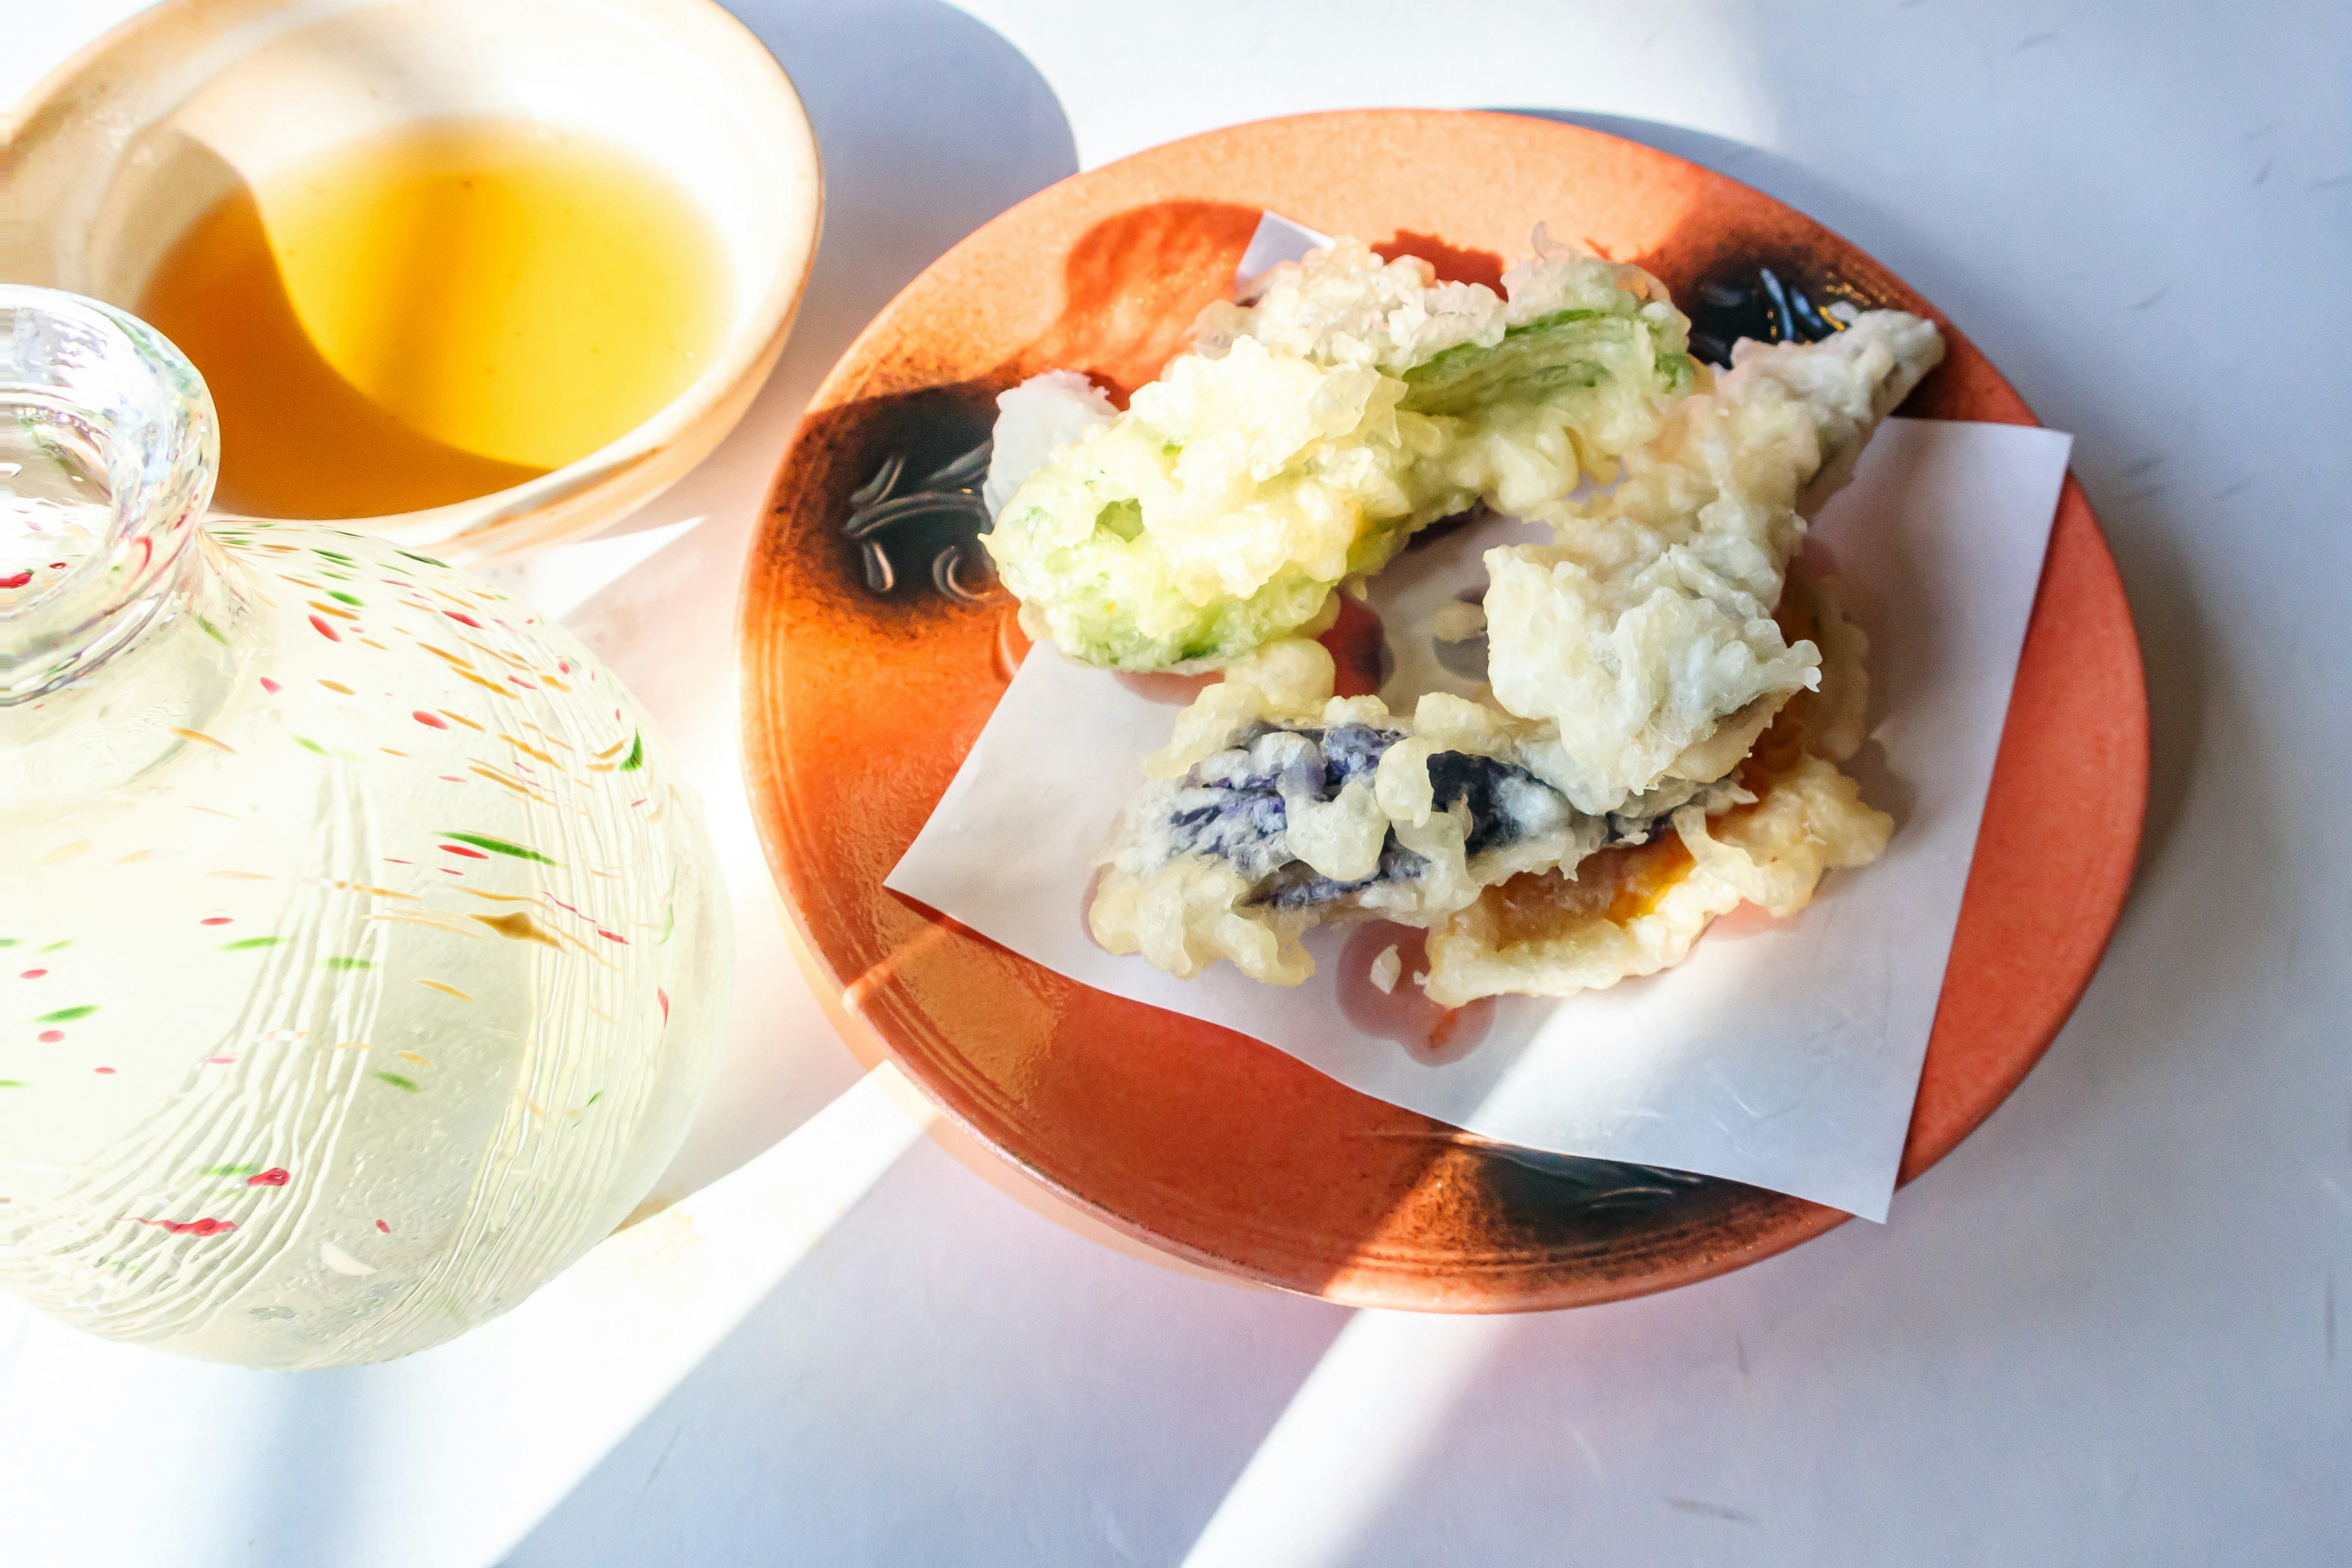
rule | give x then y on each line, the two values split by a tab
1634	911
1278	806
1312	432
1644	634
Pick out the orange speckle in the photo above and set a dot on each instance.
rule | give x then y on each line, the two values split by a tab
519	926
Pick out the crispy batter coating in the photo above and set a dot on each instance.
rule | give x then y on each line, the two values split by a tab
1647	625
1309	435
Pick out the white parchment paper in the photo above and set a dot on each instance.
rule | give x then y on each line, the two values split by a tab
1782	1054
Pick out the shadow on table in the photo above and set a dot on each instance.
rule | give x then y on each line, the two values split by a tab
929	125
946	1379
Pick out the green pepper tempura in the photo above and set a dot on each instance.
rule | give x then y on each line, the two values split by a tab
1311	433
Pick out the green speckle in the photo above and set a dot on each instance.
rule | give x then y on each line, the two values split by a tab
213	631
309	745
636	757
396	1081
68	1015
253	1169
341	597
59	945
246	945
9	940
13	1083
426	559
347	964
669	924
336	556
500	847
594	1099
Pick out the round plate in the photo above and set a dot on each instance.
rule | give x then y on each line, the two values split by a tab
869	667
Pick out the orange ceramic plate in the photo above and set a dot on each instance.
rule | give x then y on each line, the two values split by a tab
870	665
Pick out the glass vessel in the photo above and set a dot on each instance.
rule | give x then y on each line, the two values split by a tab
362	953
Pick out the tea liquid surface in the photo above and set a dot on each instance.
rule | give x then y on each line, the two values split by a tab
434	314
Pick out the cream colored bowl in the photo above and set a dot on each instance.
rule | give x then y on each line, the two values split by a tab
132	139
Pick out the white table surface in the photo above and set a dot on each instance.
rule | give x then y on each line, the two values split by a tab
2114	1326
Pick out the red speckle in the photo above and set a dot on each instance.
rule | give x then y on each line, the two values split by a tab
468	853
325	630
272	687
222	1061
662	997
518	680
50	1037
32	975
612	936
449	778
57	566
102	1070
16	581
563	665
214	920
276	1176
430	720
383	1228
449	870
146	552
389	860
206	1227
463	619
559	903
